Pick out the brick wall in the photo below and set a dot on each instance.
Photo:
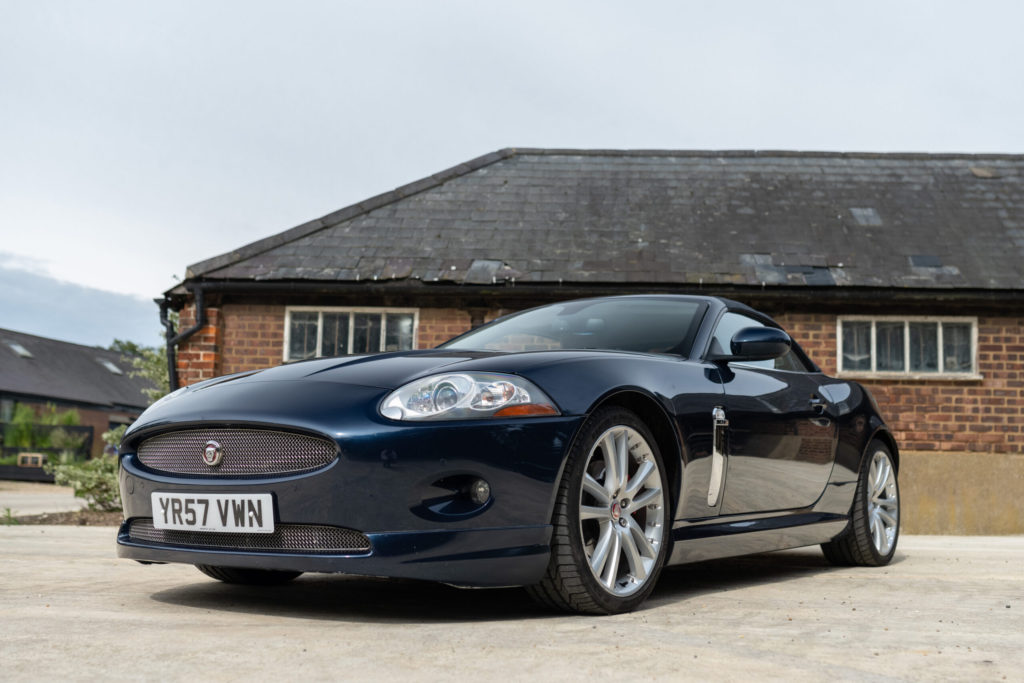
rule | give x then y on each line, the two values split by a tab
253	337
198	358
240	337
816	334
237	337
943	415
438	325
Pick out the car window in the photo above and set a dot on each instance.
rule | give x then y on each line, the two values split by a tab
626	324
731	323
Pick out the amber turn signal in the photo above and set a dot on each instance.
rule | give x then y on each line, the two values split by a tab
526	409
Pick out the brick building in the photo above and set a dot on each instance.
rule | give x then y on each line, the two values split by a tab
901	270
94	382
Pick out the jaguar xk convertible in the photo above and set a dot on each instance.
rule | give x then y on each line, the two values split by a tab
575	449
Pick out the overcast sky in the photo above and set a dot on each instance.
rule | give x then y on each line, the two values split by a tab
137	138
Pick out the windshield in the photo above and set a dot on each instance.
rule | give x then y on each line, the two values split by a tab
626	324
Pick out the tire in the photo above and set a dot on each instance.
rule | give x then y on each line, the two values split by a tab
610	536
870	538
248	577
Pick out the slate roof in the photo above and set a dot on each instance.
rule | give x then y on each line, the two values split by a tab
59	370
728	218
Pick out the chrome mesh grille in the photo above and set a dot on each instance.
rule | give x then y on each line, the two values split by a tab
245	451
286	538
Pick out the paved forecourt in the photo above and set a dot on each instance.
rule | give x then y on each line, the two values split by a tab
948	607
34	498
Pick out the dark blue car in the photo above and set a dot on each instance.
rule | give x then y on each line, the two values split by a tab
575	449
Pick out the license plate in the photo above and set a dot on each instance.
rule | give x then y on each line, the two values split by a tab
221	512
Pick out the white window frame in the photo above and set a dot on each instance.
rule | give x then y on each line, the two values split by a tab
351	328
942	374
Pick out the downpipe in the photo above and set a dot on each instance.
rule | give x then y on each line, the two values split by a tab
172	339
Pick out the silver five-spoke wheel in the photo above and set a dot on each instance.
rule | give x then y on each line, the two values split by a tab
621	510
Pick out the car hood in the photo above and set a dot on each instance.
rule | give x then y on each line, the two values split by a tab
392	370
383	371
298	392
308	393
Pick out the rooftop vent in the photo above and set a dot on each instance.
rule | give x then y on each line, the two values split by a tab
925	261
985	172
19	349
866	216
114	370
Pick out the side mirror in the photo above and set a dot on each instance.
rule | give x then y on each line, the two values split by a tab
759	343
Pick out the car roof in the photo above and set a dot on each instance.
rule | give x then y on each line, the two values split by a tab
717	303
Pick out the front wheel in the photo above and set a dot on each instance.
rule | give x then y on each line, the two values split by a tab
609	541
870	539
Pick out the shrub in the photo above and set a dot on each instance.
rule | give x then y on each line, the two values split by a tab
66	443
94	480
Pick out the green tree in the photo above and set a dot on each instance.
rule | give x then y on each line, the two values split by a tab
149	363
20	432
52	417
126	348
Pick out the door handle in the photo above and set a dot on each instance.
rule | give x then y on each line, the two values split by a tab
719	456
818	405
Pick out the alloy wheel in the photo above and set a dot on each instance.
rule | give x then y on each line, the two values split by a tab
621	511
883	503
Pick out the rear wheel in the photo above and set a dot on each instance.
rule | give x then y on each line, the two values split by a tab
248	577
609	541
870	539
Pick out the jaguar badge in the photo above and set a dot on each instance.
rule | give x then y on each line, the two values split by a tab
213	454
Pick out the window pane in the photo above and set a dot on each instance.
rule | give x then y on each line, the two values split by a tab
399	334
366	333
335	337
889	347
924	347
791	361
302	336
856	346
956	347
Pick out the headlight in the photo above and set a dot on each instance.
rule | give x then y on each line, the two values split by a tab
467	395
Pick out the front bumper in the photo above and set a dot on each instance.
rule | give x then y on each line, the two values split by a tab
514	556
383	485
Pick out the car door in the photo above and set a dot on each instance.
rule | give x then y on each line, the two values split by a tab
781	438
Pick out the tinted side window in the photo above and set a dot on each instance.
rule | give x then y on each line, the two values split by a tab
731	323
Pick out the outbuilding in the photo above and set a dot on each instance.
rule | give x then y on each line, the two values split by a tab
901	270
49	375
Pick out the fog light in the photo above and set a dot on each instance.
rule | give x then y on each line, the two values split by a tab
479	492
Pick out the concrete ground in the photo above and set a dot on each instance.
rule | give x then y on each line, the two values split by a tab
34	498
948	608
